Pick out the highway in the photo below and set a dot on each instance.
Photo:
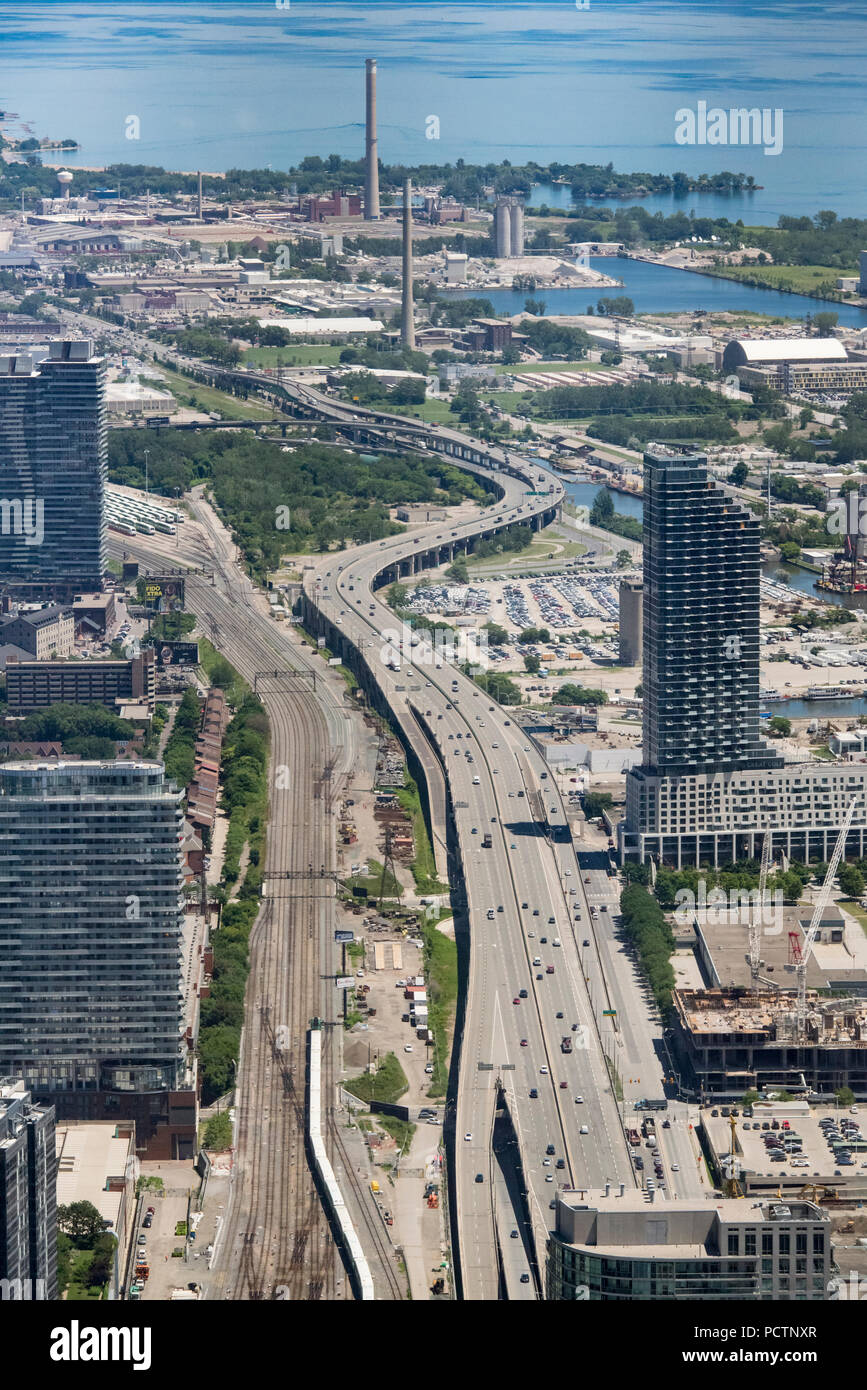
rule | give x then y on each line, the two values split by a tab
509	1053
517	894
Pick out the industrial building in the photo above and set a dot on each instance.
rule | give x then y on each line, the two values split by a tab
735	1040
509	228
32	685
631	622
53	454
794	364
709	786
611	1246
91	1008
28	1207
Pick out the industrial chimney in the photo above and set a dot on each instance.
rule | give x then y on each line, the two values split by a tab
371	178
407	332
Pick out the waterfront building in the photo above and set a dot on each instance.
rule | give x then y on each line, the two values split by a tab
709	785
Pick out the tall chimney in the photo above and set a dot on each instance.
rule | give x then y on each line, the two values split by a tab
371	179
407	332
199	205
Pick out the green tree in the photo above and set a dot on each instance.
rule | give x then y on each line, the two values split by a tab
624	560
845	1095
778	727
497	635
532	664
739	475
82	1223
851	880
597	802
825	322
218	1131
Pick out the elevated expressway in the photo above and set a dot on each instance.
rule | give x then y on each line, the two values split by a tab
530	867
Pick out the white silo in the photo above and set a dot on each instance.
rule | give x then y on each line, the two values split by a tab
503	224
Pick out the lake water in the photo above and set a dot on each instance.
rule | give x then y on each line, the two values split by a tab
656	289
251	83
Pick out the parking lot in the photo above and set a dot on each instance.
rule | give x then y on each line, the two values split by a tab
825	1145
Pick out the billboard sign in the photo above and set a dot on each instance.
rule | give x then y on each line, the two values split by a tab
342	937
345	981
164	593
177	654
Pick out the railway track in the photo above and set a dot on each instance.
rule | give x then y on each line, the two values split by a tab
277	1242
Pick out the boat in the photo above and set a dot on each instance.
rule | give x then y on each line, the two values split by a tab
832	692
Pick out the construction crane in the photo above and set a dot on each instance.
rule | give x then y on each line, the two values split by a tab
758	911
818	910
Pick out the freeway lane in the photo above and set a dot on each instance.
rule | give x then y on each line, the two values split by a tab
521	865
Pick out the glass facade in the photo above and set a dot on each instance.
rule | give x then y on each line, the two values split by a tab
701	622
28	1209
53	461
90	926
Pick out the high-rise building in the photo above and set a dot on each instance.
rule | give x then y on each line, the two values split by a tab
53	456
28	1204
701	621
709	786
610	1247
91	922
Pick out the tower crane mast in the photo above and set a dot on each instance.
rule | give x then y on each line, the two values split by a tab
818	910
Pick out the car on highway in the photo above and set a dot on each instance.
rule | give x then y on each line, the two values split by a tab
524	1042
549	970
585	1129
407	1047
480	1177
543	1071
534	1094
514	1235
549	1177
560	1013
564	1085
523	993
546	1163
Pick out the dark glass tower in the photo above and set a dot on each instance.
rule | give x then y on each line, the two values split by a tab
53	459
701	622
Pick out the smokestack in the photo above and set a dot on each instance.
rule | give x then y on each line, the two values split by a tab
407	332
199	206
371	180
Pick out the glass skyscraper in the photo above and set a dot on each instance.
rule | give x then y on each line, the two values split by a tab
53	461
28	1204
701	622
91	917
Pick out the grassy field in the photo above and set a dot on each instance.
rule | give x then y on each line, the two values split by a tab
372	881
401	1131
441	969
295	355
541	551
208	398
801	279
77	1289
388	1084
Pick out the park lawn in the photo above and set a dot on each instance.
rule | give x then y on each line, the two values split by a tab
210	399
294	355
